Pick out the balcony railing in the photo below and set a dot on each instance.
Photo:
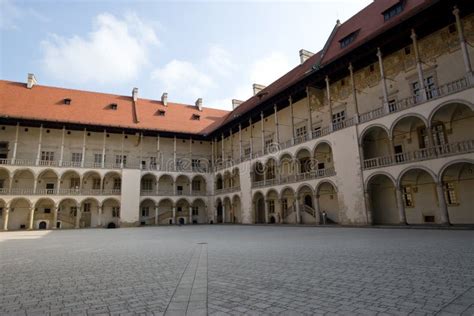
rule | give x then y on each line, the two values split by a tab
411	101
31	191
227	190
168	192
444	150
293	178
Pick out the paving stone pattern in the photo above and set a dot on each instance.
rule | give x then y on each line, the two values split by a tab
237	270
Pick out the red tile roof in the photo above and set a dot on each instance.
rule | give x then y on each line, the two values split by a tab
92	108
46	103
369	22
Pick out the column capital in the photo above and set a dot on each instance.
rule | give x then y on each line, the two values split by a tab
413	35
456	11
379	52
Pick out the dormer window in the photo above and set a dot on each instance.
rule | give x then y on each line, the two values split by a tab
67	101
196	117
346	41
161	112
393	11
113	106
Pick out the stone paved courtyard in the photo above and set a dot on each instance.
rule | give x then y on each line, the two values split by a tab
232	270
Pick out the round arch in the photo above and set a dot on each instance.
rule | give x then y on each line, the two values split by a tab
404	117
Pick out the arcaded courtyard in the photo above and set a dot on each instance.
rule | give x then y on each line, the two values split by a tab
232	270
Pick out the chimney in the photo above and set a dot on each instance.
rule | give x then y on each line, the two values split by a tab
199	104
236	103
31	81
304	55
257	88
164	98
135	94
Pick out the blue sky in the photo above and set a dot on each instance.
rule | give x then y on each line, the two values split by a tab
190	49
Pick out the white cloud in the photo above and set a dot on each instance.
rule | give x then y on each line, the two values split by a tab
269	68
11	15
220	61
264	71
183	78
115	51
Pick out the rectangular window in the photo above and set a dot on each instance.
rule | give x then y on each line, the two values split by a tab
2	183
196	185
119	159
392	105
339	117
116	211
96	184
76	157
247	151
47	211
450	193
195	211
439	134
301	131
98	159
147	184
393	11
117	183
284	205
153	162
430	86
3	150
195	163
145	211
75	183
73	211
268	144
423	137
87	207
47	155
408	196
346	41
271	206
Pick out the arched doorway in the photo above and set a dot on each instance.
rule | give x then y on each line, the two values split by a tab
42	225
147	212
199	210
111	212
165	211
410	139
287	206
67	212
47	182
418	190
237	209
383	200
307	210
19	214
259	208
328	202
44	212
458	186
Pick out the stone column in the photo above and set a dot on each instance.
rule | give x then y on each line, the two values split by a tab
328	96
31	217
384	81
419	67
223	150
174	153
369	208
55	217
251	140
292	120
99	218
223	212
103	149
354	92
121	150
156	215
15	144
78	217
278	211
298	214
443	206
61	153
6	215
190	214
401	207
266	211
462	42
316	208
174	214
263	133
38	155
277	132
83	148
240	140
310	117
